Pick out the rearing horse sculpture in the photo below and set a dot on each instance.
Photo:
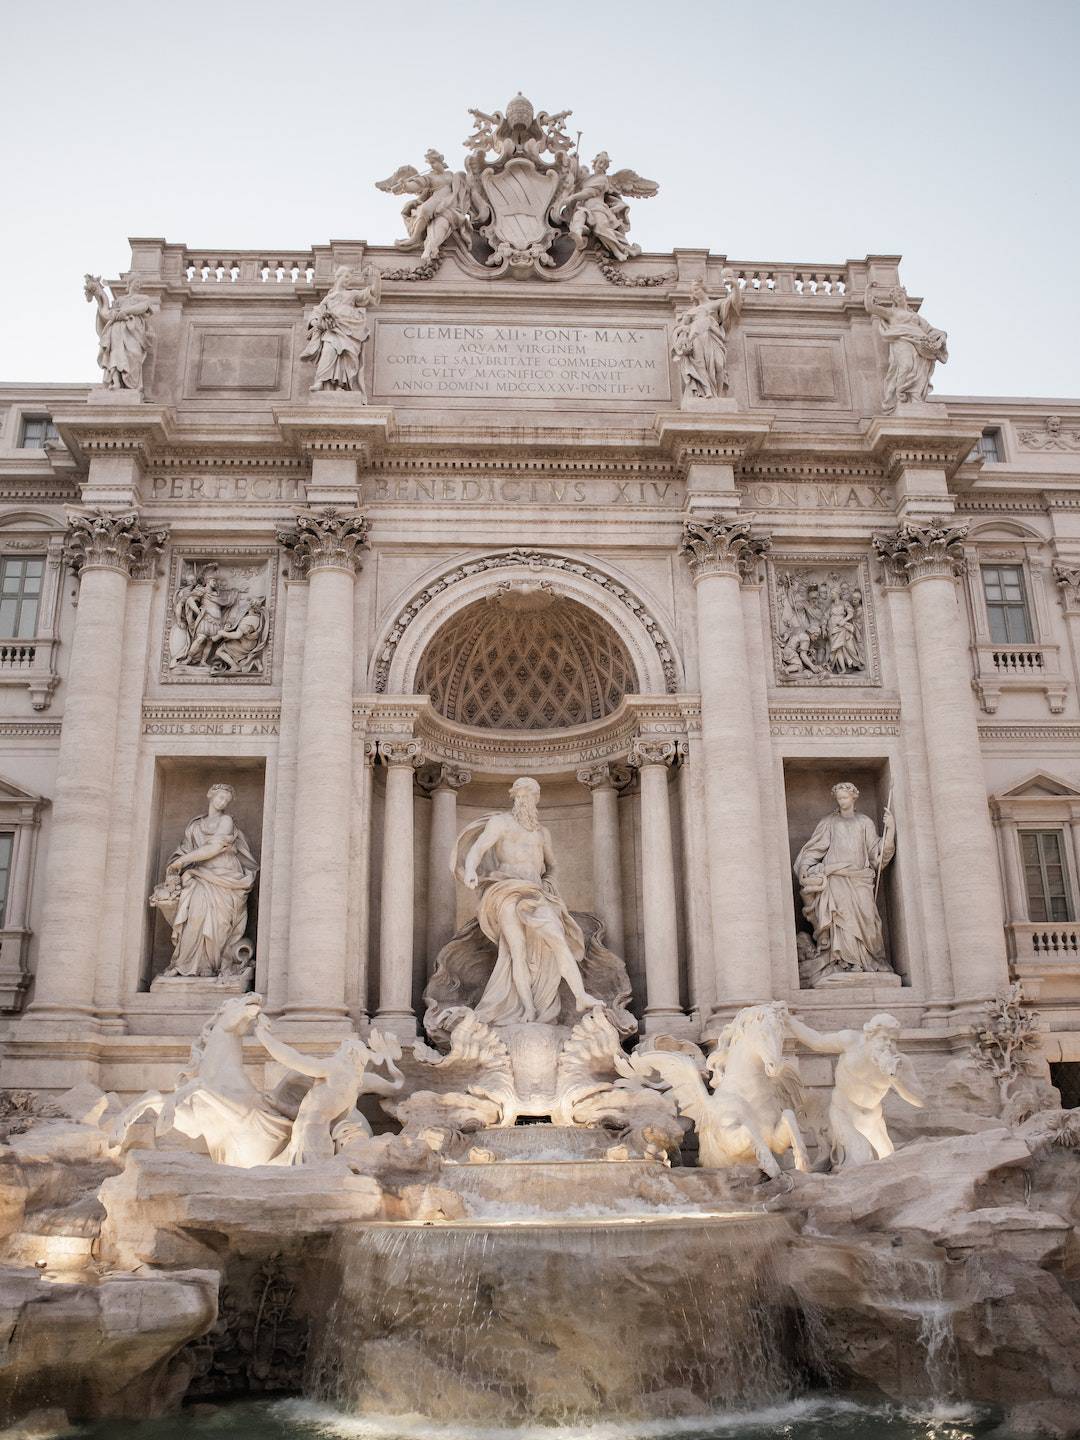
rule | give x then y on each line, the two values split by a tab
749	1116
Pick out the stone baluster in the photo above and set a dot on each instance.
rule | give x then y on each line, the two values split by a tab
929	558
601	781
402	758
722	554
105	550
442	783
325	546
653	759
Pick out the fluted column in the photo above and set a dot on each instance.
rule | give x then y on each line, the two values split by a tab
652	759
607	862
402	759
721	554
105	550
325	546
927	558
442	783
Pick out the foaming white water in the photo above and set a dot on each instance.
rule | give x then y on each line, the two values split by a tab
323	1420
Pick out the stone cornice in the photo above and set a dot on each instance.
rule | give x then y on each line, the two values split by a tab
723	439
900	443
343	428
132	429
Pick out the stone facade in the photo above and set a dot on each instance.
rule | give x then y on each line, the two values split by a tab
514	540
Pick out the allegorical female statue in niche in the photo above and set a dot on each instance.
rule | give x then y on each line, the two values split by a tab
204	895
838	870
915	347
699	339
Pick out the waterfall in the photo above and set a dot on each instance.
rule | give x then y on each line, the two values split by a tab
498	1324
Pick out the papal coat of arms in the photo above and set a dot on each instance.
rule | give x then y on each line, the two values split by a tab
524	202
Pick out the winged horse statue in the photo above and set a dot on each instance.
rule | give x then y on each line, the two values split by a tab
748	1115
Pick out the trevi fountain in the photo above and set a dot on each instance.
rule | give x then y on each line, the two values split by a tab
539	821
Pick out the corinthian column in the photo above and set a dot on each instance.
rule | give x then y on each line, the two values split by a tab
105	550
721	555
325	546
607	862
442	783
402	758
652	759
928	558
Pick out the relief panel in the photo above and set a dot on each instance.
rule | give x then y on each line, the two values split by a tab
821	615
220	617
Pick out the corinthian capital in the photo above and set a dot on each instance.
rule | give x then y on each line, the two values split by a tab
105	540
1067	578
915	552
435	777
722	547
328	539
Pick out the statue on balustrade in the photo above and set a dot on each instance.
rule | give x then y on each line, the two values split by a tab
839	872
204	896
508	857
868	1067
592	204
338	327
699	339
440	205
123	333
915	347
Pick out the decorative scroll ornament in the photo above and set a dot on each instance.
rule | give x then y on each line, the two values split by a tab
914	552
721	547
326	539
524	201
101	539
648	751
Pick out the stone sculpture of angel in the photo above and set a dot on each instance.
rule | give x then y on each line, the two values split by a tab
439	207
123	333
699	338
592	203
338	328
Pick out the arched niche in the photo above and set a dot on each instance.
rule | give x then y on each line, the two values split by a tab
453	589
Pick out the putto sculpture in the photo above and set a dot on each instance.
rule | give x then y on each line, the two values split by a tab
123	333
204	895
338	327
915	347
699	339
524	201
839	871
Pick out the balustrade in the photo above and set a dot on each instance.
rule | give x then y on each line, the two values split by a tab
247	267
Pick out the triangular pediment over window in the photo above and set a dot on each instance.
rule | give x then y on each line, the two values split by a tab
1040	786
12	794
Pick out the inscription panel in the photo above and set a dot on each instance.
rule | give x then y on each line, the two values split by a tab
516	362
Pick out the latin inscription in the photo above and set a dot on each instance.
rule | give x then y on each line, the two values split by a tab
514	362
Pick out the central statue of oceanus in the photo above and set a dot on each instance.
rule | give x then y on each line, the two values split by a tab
508	857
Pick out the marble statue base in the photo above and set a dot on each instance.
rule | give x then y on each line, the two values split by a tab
193	989
861	980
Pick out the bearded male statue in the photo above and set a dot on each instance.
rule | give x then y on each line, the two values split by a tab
508	857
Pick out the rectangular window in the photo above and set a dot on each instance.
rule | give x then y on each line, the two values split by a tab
1044	875
36	429
1006	605
21	578
7	845
988	448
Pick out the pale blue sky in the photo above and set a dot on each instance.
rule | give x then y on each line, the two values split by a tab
778	130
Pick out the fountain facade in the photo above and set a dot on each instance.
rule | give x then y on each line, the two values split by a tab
531	861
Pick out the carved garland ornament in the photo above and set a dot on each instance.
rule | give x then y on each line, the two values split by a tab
534	559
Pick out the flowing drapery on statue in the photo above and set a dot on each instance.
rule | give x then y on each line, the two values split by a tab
205	892
838	870
508	857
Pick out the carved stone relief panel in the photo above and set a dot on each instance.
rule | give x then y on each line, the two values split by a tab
219	621
822	620
245	359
